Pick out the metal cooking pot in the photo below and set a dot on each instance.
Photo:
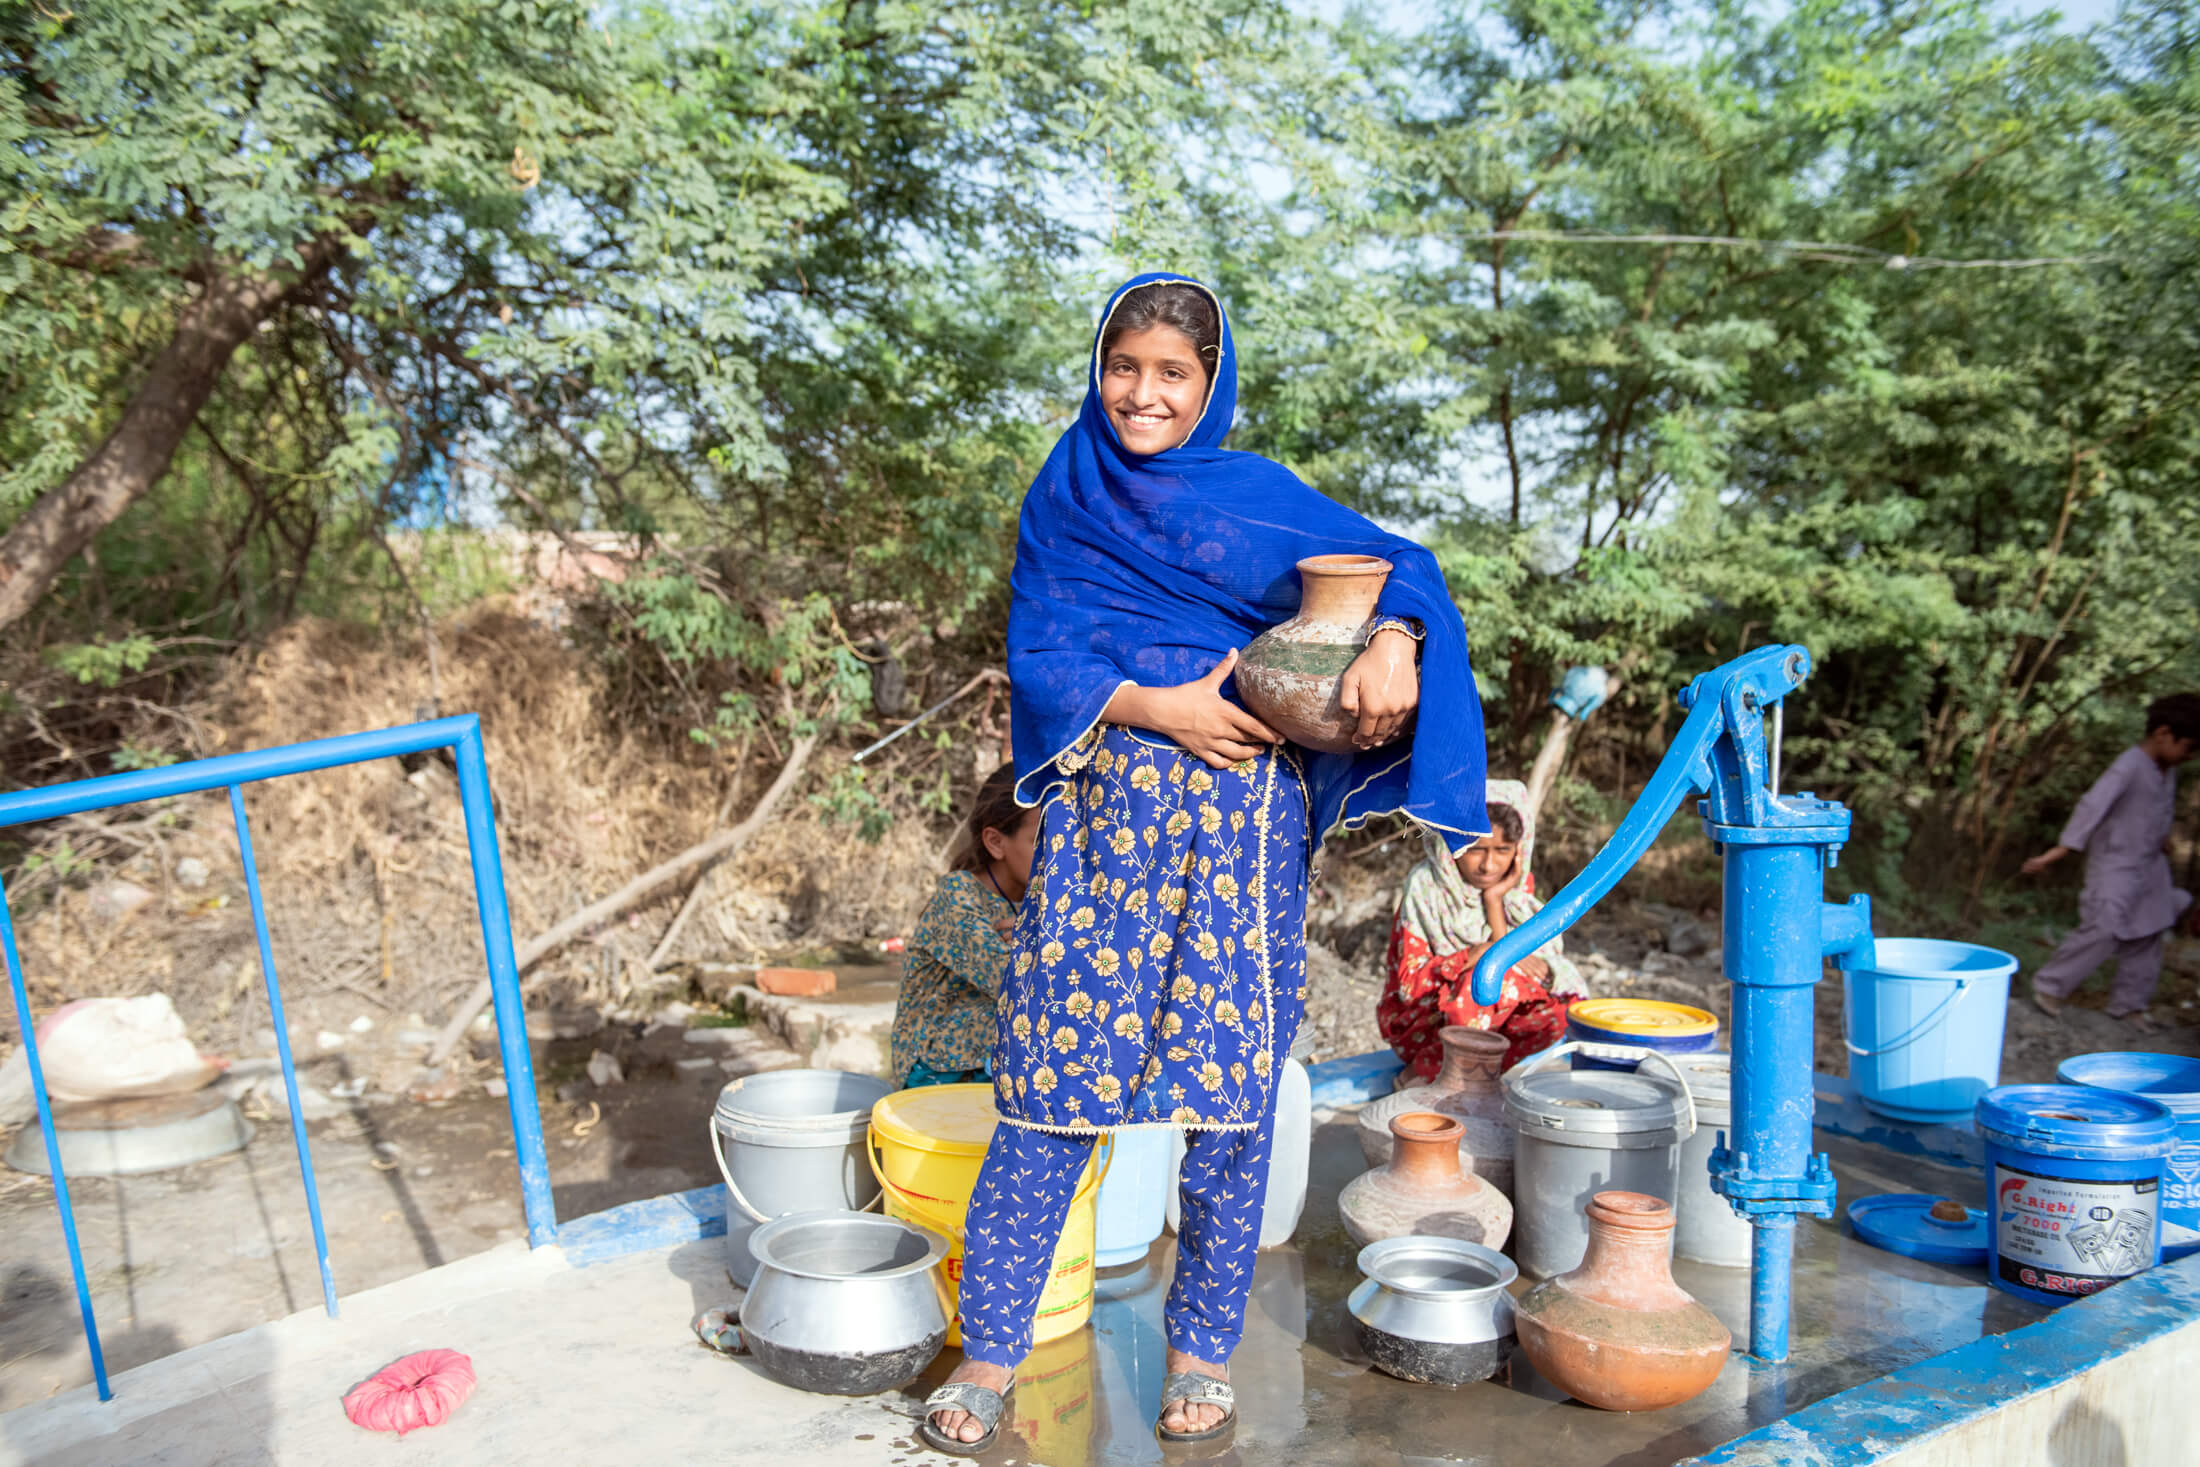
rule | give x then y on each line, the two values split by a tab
846	1303
1434	1310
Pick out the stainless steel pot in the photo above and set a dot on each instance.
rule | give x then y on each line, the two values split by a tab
1434	1310
846	1303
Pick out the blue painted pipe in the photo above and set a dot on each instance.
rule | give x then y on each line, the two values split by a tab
511	1010
460	734
1778	931
53	1149
282	1045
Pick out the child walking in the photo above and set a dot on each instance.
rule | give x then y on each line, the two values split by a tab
2129	903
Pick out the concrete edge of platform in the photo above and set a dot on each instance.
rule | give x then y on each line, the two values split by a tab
2069	1373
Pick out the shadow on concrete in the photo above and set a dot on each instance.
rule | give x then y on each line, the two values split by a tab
2085	1436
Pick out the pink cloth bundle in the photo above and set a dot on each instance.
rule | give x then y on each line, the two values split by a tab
419	1390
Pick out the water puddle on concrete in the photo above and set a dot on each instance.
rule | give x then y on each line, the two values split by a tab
1307	1395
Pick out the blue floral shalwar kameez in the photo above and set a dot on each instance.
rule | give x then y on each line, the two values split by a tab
1161	953
1159	964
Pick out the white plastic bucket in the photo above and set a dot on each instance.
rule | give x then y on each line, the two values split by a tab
792	1141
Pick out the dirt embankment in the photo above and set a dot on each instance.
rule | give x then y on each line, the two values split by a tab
369	893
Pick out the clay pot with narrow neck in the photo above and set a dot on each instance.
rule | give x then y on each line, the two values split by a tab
1424	1191
1289	675
1466	1088
1617	1332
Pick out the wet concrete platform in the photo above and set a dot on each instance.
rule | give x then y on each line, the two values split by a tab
1308	1395
597	1364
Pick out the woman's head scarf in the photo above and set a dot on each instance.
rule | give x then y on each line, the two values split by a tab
1439	907
1149	568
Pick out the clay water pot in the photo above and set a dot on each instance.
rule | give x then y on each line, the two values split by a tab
1617	1332
1289	675
1424	1191
1466	1088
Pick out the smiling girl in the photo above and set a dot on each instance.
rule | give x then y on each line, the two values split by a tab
1159	961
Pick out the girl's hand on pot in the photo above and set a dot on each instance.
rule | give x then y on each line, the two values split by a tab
1381	688
1197	716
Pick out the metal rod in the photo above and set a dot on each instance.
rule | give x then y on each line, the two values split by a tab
110	790
1779	719
53	1147
511	1010
866	752
282	1045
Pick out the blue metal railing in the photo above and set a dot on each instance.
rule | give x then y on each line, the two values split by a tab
462	736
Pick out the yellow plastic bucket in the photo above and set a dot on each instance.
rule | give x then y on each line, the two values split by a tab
926	1146
1640	1023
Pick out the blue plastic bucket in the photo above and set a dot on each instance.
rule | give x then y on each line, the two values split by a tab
2168	1079
1639	1023
1924	1026
1134	1195
2073	1187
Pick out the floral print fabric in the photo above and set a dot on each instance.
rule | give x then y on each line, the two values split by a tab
1162	944
1016	1214
943	1017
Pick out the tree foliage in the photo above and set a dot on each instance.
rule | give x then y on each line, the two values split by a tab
1677	326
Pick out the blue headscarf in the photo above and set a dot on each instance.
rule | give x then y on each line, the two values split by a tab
1148	568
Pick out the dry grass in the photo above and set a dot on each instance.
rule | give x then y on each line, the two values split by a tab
370	899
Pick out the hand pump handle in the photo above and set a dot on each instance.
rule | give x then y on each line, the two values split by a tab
1719	753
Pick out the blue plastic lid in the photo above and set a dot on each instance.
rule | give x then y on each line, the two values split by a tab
1903	1222
2172	1079
2077	1122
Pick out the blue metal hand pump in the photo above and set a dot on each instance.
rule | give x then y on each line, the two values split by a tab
1779	929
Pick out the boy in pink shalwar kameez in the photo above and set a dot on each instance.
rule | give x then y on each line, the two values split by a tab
2129	903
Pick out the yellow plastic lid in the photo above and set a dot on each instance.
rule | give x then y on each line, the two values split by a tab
1649	1016
955	1119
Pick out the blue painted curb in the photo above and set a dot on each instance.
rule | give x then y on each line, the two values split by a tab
1356	1079
1909	1407
644	1226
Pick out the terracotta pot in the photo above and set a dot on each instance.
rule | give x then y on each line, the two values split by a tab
1424	1191
1617	1332
1289	675
1467	1088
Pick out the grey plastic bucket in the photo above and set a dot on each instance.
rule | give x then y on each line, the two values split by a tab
1581	1132
792	1141
1707	1229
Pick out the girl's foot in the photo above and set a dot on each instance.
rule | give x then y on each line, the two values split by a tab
961	1425
1185	1417
2046	1003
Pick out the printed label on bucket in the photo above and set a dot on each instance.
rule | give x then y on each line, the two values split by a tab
2064	1237
2181	1180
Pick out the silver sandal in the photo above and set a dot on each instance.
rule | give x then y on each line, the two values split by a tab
1194	1389
982	1405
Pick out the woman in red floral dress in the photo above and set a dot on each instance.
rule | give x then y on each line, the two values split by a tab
1448	915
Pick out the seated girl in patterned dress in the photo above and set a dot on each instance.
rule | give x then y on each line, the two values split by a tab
1448	915
943	1020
